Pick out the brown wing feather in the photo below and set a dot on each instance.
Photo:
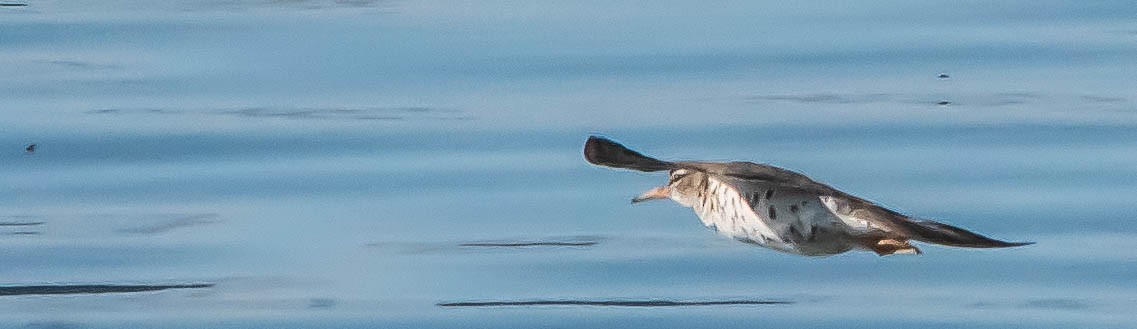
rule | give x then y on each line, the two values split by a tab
605	152
891	221
761	172
921	230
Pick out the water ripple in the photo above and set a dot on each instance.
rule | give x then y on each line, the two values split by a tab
92	289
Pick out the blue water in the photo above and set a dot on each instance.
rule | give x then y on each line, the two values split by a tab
322	163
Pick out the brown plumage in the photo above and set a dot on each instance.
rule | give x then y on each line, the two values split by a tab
783	209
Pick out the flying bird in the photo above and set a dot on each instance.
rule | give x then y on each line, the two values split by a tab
30	149
781	209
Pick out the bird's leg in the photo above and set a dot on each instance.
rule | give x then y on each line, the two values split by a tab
888	246
661	192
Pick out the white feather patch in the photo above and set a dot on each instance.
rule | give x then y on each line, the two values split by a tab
727	211
836	206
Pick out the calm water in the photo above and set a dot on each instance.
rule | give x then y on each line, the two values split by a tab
356	163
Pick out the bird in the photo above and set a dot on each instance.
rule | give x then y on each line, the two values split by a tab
781	209
30	149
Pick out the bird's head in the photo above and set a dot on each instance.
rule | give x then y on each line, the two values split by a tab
683	186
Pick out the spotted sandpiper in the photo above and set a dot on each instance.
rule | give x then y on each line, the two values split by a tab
781	209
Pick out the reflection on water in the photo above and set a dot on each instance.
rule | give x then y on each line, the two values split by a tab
417	164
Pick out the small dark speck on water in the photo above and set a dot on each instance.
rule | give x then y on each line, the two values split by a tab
91	289
30	149
944	102
618	303
943	76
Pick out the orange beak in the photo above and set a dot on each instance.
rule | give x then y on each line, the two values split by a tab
662	192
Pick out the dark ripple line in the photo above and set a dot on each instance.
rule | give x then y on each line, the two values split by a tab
26	233
91	289
13	5
529	244
20	223
621	303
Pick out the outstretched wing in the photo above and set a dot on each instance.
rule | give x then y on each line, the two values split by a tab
860	214
605	152
865	215
761	172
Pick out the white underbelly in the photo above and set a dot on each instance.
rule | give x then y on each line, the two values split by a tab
778	219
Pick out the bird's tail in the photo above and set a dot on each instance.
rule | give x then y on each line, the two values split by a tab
604	152
940	233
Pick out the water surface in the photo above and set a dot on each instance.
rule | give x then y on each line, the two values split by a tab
368	163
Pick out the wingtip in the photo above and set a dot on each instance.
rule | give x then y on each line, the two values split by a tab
1005	244
605	152
596	147
591	148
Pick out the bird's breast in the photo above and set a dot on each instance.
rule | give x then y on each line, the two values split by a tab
762	213
726	210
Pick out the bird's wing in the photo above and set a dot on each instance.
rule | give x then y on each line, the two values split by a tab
862	215
872	219
761	172
605	152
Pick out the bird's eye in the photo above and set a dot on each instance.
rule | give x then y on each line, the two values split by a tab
676	175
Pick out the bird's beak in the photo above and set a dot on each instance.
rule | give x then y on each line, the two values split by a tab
662	192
